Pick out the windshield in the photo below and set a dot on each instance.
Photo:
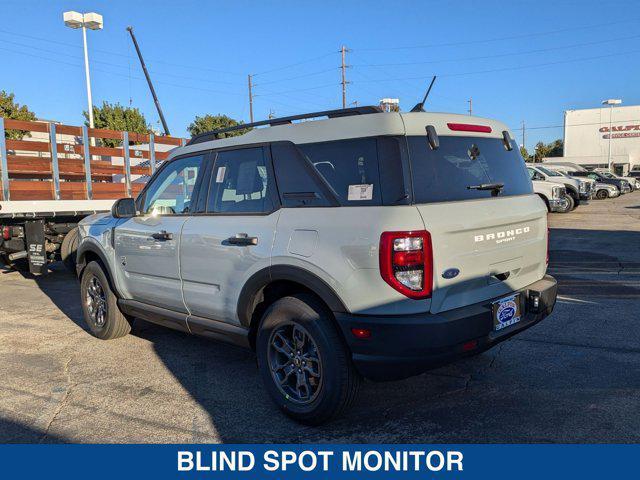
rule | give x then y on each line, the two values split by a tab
551	173
466	168
608	174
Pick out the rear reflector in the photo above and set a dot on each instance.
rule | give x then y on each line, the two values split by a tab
467	127
361	332
471	345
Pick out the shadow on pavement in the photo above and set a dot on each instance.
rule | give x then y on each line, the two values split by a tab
14	432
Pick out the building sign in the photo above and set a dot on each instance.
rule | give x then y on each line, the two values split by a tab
625	131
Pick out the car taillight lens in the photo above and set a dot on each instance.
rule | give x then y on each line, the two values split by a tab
6	233
406	262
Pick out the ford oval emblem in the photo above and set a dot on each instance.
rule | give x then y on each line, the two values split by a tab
450	273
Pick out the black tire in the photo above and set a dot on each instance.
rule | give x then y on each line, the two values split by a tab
569	206
337	385
112	323
602	194
575	201
69	249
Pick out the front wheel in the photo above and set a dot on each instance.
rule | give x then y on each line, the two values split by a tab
100	305
303	361
602	194
567	205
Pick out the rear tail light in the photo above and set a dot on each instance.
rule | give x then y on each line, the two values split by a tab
406	262
6	233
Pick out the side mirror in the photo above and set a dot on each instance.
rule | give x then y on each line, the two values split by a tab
124	208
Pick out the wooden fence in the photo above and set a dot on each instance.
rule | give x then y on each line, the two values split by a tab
67	163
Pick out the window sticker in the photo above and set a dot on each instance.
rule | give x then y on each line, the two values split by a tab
360	192
220	174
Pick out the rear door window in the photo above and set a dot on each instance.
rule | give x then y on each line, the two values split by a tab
447	173
242	182
350	167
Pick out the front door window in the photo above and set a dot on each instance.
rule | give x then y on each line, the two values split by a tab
171	191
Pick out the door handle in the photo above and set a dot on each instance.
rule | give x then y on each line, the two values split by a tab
162	235
242	239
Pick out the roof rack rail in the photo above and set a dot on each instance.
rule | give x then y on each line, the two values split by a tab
343	112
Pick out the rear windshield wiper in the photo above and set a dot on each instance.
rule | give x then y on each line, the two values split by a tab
495	188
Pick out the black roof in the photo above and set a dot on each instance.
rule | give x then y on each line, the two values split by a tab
343	112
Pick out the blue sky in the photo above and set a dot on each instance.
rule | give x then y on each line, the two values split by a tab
518	60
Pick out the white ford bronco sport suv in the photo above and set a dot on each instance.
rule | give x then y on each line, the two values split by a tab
366	244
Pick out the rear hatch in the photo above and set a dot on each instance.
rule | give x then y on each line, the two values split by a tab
486	242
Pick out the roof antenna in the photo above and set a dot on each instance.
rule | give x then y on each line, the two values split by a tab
420	106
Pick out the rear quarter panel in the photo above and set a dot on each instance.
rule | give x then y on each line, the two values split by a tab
341	246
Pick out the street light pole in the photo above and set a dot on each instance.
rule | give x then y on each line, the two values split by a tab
92	21
87	77
611	102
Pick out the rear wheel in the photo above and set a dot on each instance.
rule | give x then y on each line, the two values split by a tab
99	305
303	361
602	194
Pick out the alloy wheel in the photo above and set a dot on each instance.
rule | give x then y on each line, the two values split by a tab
295	363
96	301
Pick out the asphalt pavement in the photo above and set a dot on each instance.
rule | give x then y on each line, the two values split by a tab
575	377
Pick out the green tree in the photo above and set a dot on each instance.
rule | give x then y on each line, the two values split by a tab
553	149
11	109
215	122
116	117
525	153
556	148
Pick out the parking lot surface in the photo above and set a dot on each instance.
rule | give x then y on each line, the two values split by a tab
575	377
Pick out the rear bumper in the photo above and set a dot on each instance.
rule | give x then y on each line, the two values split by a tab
402	346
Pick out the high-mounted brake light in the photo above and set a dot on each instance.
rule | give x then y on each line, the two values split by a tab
467	127
406	262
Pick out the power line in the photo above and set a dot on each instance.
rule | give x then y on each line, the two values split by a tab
499	39
500	55
277	69
505	69
296	77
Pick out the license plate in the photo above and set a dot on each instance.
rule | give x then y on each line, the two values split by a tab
506	312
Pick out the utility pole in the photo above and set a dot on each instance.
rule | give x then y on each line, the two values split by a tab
470	102
523	137
344	82
250	98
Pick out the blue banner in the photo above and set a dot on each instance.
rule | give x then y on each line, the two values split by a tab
496	462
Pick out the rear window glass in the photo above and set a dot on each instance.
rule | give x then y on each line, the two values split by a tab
444	175
350	167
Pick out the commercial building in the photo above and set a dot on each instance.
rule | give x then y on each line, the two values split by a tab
587	138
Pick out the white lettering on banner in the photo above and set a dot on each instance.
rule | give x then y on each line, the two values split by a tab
306	460
240	461
310	461
401	461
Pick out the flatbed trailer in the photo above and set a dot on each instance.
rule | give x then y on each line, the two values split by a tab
60	174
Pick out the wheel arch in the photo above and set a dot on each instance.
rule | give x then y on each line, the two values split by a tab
88	252
545	200
271	283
